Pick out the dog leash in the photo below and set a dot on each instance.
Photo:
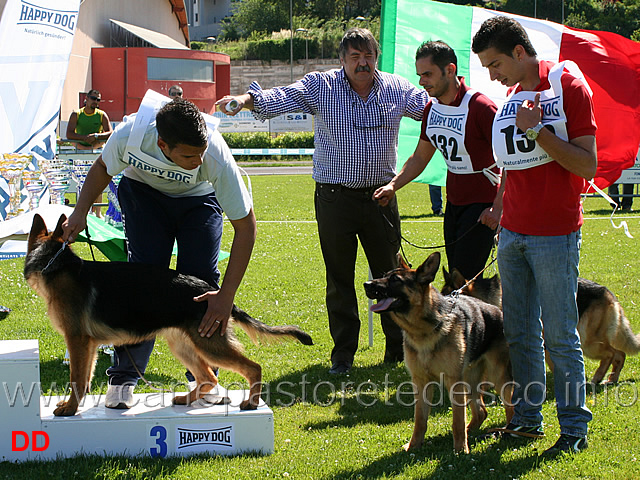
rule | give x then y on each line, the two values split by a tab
86	231
426	247
457	292
401	237
147	382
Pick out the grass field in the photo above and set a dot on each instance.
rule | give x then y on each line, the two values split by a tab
351	426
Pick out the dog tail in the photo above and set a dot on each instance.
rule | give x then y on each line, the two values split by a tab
261	331
624	339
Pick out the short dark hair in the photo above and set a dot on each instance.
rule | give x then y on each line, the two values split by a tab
359	39
177	89
502	33
441	53
180	121
93	92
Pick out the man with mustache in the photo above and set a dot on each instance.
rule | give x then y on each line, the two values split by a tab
357	113
457	121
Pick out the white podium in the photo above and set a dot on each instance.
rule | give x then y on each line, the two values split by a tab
154	427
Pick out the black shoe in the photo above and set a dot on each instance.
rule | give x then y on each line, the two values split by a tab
566	443
340	367
515	432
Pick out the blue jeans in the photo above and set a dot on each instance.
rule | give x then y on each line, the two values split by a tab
539	284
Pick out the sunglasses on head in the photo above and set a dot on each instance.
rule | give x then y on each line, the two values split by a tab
95	99
175	94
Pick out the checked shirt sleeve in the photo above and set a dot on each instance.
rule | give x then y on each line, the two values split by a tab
300	96
417	99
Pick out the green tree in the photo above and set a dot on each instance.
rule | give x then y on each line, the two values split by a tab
618	16
258	16
265	16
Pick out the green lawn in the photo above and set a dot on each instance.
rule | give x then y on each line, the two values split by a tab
351	426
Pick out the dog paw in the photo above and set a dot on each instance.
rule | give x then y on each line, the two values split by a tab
461	448
64	410
180	400
410	446
247	405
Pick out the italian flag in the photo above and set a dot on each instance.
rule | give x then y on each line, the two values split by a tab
610	63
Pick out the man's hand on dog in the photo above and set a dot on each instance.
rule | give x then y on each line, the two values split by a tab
75	224
217	314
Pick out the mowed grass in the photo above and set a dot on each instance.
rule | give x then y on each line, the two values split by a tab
350	426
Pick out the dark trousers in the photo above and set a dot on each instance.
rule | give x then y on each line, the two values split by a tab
152	223
345	216
469	242
623	202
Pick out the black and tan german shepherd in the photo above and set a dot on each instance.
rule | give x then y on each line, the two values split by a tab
605	332
92	303
461	340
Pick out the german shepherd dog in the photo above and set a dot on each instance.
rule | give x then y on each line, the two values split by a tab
605	332
460	340
91	303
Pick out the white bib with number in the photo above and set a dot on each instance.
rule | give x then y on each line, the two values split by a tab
512	149
445	129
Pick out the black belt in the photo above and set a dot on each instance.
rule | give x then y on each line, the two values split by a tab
365	191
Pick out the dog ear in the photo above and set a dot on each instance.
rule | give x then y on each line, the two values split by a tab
457	279
57	233
402	263
426	272
38	230
447	278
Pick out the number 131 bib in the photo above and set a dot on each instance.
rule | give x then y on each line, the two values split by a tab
512	149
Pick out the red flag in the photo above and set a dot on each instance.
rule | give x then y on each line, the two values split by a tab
611	64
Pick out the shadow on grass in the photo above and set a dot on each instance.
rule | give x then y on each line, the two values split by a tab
431	216
100	467
380	394
605	211
484	461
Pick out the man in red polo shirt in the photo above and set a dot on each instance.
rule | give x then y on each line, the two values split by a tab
457	121
544	139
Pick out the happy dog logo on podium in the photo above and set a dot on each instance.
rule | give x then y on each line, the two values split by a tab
203	438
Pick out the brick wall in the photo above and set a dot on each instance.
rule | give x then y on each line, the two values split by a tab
272	74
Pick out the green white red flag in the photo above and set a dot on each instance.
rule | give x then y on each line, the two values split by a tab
610	63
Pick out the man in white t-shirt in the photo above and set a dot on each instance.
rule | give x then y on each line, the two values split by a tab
179	177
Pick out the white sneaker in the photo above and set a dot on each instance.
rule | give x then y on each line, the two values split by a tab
119	396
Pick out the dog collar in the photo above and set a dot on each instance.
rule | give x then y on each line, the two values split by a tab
64	245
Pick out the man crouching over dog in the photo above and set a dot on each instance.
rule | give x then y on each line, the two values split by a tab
179	176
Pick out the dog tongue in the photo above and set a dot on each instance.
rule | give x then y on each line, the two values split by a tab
382	305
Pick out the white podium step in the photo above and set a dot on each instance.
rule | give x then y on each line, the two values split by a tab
153	426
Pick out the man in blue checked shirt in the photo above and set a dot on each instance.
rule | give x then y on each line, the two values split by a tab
357	113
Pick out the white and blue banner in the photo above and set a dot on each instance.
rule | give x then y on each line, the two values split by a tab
35	44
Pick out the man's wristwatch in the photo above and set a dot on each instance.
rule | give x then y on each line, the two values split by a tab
532	133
